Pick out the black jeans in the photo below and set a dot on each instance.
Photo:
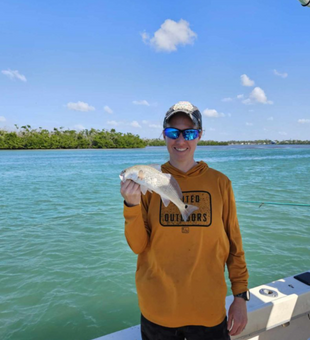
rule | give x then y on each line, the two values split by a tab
152	331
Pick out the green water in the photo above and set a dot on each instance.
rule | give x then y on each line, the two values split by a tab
66	271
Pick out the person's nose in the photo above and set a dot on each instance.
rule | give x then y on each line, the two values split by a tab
180	139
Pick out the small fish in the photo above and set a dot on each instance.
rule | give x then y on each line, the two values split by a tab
151	179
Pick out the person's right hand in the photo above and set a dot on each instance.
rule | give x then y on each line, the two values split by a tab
131	192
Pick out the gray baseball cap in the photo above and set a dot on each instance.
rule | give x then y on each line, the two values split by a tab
188	108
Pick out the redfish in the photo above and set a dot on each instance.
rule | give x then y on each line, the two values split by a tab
165	185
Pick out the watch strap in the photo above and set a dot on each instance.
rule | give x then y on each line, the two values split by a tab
244	295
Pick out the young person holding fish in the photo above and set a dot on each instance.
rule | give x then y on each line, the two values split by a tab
181	260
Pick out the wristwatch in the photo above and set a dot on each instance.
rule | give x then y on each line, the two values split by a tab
245	295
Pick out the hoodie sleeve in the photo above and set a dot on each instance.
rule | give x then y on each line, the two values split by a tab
137	232
238	273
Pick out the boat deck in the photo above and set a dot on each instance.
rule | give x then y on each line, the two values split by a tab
279	310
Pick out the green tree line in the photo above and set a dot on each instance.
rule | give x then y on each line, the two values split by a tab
27	138
269	141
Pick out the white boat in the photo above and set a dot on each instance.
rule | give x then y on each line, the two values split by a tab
279	310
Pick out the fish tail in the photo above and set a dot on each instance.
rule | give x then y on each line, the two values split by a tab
188	209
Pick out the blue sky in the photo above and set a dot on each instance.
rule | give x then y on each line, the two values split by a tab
122	64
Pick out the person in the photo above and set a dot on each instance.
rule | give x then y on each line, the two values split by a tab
180	276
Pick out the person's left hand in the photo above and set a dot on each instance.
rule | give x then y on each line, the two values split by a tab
237	316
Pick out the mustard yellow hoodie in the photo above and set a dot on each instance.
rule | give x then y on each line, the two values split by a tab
180	269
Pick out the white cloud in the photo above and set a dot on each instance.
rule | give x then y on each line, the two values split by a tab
108	110
229	114
304	121
170	35
112	122
135	124
141	102
283	133
155	126
211	113
211	129
152	125
240	96
145	37
2	119
246	81
257	96
227	99
14	75
80	106
283	75
249	124
270	118
247	101
79	127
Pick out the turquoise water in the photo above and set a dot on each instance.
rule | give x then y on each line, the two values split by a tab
66	271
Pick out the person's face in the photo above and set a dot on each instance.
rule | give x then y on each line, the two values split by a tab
181	150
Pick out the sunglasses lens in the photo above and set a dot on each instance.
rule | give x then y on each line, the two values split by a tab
190	134
172	133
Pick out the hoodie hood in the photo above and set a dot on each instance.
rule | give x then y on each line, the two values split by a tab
199	169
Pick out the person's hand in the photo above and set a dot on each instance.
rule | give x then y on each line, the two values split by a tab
131	192
237	316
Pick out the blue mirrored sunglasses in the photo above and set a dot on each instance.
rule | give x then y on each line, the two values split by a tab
188	134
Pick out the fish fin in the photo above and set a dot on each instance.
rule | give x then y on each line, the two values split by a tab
166	201
143	189
188	209
156	166
175	185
